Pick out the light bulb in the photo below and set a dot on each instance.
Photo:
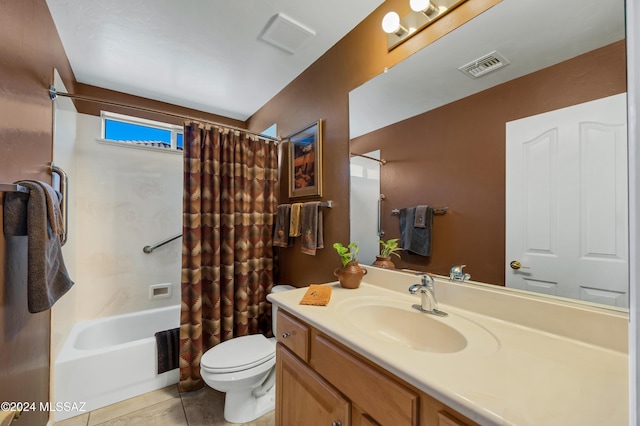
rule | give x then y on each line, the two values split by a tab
391	22
422	6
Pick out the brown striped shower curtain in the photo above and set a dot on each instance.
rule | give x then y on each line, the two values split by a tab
229	205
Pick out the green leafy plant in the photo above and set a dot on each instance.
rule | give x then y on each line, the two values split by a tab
389	247
347	254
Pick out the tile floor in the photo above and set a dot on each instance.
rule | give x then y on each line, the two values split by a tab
164	407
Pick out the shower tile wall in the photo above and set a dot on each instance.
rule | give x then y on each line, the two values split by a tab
126	198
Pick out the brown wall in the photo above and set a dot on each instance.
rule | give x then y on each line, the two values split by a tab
29	50
322	92
455	155
93	108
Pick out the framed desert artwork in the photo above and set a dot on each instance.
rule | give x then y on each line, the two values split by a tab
305	162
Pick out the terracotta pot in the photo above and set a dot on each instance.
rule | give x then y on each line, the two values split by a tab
350	276
384	262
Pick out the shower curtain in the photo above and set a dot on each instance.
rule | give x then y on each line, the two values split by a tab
229	204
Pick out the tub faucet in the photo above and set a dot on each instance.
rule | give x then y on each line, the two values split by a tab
428	302
455	274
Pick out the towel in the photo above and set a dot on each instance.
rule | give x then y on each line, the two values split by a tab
168	345
47	276
317	295
294	222
416	240
420	219
281	230
311	228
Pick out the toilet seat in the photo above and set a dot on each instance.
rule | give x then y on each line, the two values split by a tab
238	354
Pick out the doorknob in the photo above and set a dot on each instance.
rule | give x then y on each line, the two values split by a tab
516	265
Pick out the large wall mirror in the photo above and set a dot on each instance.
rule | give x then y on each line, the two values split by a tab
530	158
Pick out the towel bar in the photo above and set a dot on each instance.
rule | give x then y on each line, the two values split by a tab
64	208
436	210
12	187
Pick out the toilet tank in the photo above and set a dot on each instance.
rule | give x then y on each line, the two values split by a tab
274	309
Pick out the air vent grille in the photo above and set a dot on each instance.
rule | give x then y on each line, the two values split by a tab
486	64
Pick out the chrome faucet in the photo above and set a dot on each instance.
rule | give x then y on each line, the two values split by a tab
455	274
428	302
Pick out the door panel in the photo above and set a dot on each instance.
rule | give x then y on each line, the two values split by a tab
566	193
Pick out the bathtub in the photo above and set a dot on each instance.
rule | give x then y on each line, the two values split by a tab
107	360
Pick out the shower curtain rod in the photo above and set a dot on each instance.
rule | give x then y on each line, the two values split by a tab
382	162
53	94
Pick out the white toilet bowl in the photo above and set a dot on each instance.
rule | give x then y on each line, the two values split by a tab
244	368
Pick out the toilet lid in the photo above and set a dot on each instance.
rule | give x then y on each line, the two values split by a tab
238	354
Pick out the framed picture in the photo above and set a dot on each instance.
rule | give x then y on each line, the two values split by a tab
305	162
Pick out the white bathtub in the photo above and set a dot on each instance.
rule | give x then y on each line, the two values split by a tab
111	359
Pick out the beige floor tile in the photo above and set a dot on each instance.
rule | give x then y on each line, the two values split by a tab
206	408
268	419
81	420
132	405
166	413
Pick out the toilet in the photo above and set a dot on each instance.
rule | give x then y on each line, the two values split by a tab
244	368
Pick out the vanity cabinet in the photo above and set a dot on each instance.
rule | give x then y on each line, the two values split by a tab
322	382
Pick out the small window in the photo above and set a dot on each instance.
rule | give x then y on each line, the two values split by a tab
141	132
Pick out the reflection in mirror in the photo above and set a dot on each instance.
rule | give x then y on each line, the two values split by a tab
365	196
445	135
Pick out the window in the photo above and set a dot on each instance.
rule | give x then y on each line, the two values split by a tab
139	132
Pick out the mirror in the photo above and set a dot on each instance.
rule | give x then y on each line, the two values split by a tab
444	134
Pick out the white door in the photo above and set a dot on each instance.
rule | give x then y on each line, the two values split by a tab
566	202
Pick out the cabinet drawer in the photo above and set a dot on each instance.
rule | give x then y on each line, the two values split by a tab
445	419
363	384
293	334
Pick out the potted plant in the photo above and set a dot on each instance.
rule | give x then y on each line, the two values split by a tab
388	248
350	275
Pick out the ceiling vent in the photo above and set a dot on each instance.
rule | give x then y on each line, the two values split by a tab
285	33
484	65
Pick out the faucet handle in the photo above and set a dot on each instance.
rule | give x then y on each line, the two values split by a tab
426	279
456	274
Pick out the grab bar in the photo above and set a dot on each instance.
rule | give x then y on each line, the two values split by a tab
150	249
64	185
380	200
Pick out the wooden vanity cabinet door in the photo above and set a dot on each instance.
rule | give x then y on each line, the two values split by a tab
380	397
305	398
294	334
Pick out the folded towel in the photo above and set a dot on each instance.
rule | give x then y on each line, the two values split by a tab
317	295
420	219
168	345
294	222
281	230
47	276
311	228
416	240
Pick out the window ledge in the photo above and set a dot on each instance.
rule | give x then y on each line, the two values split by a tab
139	146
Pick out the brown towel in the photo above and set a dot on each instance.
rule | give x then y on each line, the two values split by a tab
317	295
420	220
168	345
47	276
294	222
311	228
281	230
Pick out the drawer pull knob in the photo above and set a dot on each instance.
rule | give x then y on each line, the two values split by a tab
336	423
285	335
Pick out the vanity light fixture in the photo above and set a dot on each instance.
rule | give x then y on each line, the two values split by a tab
424	12
391	24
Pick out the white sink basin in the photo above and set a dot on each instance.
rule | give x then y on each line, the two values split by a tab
394	321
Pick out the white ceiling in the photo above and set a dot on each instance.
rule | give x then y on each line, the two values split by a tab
531	34
201	54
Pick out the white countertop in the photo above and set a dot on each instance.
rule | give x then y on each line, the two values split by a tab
530	377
